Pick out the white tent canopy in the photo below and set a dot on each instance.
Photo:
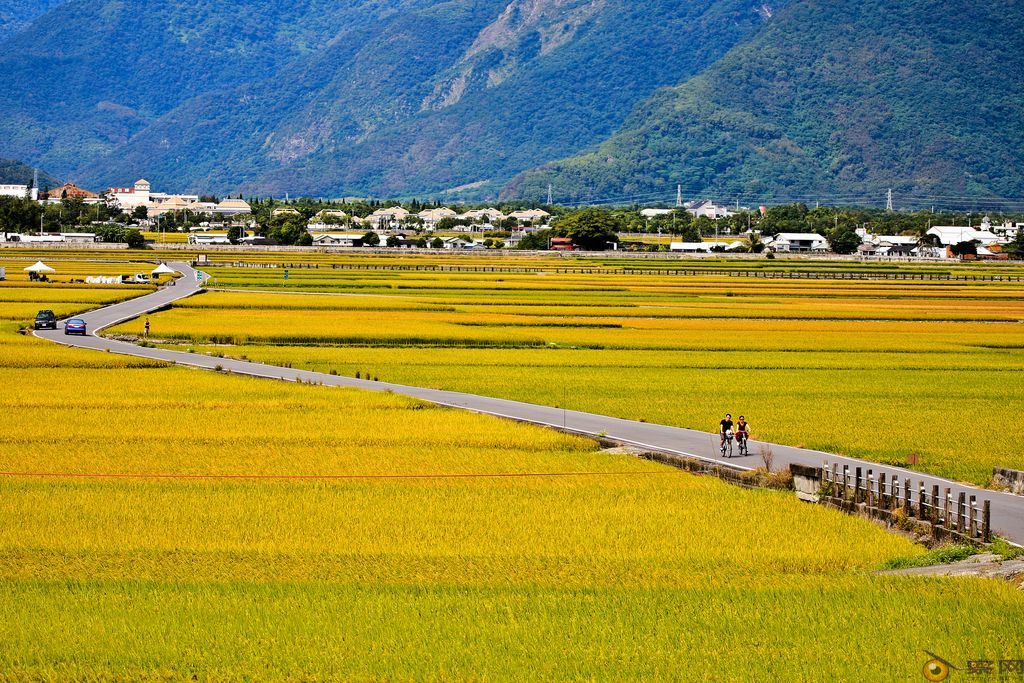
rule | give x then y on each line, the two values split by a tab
40	267
163	269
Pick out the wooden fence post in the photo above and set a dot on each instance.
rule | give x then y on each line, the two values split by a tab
882	505
947	503
856	487
961	512
906	497
972	525
986	521
935	503
869	483
921	514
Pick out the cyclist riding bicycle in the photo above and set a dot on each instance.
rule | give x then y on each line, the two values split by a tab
723	427
742	433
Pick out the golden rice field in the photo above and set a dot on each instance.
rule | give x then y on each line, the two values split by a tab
166	237
874	369
22	299
260	530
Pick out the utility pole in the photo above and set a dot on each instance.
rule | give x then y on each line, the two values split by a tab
888	201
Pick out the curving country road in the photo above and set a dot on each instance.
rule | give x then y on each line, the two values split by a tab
1007	509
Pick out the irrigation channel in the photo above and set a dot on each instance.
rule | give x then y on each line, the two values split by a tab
1007	510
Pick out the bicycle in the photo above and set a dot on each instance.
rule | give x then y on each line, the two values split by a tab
741	443
727	444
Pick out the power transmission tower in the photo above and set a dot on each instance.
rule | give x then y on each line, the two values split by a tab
550	200
888	201
679	195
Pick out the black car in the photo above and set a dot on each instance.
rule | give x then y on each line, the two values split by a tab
46	320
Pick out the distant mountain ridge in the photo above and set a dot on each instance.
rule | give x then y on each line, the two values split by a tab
841	99
397	97
793	98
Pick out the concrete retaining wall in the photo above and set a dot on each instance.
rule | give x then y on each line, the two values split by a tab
70	246
1008	480
806	482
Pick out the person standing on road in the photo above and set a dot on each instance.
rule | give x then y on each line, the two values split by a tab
146	329
724	426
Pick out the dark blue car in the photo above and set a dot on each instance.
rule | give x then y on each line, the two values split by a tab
75	326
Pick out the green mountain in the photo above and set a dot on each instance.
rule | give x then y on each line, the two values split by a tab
839	100
368	97
15	15
87	77
16	173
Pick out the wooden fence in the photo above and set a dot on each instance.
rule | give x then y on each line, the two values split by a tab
627	270
855	490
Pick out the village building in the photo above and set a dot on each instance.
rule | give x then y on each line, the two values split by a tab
951	235
226	208
461	243
561	244
128	198
431	217
1008	231
68	191
171	204
208	238
489	215
40	239
335	239
19	191
387	219
530	216
62	238
708	209
704	247
331	217
798	242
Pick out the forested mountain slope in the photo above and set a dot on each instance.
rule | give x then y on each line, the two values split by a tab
16	173
841	99
394	97
15	15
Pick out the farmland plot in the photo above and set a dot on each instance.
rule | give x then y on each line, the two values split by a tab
889	371
159	522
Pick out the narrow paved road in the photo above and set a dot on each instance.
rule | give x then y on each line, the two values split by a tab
1007	509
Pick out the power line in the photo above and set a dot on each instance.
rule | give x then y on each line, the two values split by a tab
853	198
433	475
